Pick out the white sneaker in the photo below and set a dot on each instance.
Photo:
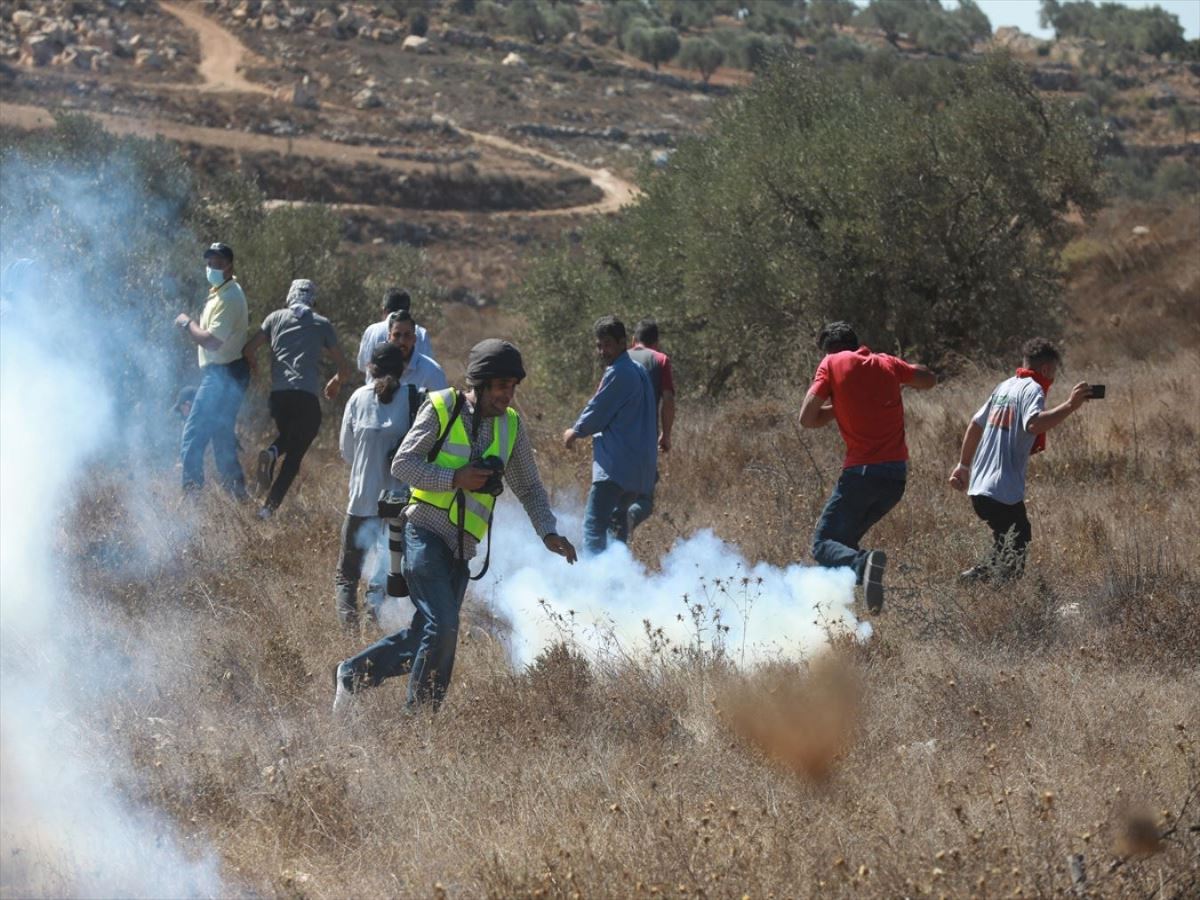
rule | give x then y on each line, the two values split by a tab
265	513
342	695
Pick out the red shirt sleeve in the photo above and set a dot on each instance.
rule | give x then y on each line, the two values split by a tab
903	372
821	385
668	377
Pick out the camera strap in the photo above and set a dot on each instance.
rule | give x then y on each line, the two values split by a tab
460	497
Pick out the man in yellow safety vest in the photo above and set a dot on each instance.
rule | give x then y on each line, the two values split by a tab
456	455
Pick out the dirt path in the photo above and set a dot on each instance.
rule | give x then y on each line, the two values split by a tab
221	59
221	54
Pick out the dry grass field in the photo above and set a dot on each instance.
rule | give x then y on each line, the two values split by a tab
982	737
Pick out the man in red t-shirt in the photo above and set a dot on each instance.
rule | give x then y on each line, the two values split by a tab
861	391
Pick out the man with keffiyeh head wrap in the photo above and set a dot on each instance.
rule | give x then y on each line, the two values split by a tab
297	335
1009	428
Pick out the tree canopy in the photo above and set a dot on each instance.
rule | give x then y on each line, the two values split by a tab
1147	30
927	206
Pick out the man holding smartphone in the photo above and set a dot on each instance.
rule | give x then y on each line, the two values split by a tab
1009	428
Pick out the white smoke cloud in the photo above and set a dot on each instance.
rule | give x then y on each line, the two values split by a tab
604	603
65	826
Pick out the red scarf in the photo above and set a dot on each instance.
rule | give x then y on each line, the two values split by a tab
1039	442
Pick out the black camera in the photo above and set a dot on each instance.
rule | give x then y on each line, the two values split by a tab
392	503
495	483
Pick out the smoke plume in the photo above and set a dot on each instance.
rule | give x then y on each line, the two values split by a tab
705	596
83	394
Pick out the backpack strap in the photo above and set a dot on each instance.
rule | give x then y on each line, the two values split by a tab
416	396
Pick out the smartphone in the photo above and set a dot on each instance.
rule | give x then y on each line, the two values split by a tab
1097	391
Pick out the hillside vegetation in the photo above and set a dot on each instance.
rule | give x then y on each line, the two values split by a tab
1038	738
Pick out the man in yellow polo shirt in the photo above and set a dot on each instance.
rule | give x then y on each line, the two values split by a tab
219	336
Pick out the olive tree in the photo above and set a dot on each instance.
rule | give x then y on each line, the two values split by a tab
931	217
702	54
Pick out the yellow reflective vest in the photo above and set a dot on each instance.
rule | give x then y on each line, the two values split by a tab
476	509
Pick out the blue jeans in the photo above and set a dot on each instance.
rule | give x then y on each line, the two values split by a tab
437	582
627	518
862	496
214	418
604	499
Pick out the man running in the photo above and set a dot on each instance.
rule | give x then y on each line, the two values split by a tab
861	391
298	336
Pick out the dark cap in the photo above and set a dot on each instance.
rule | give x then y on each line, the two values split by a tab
388	359
219	249
186	395
494	358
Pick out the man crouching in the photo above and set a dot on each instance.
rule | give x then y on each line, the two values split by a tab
459	449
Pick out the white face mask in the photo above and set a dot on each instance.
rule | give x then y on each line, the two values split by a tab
215	276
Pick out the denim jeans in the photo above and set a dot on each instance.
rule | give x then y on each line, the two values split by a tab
437	582
862	496
214	419
627	518
362	542
604	499
297	415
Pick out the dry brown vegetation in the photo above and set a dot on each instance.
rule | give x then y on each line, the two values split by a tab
980	739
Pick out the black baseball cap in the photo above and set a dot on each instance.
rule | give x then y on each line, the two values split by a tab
219	249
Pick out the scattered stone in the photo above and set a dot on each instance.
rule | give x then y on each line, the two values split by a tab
1140	231
149	59
23	20
305	94
325	20
416	43
367	99
515	59
38	50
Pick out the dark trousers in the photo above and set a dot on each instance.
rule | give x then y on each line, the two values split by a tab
213	418
361	536
297	415
605	500
862	496
1011	534
437	582
629	515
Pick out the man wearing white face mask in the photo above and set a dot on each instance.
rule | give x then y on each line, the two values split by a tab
219	336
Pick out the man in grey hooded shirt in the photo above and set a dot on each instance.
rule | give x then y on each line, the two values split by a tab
297	335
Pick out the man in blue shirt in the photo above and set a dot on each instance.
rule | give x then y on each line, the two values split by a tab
622	418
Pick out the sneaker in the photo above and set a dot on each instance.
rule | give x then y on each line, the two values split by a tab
265	513
873	579
343	687
266	468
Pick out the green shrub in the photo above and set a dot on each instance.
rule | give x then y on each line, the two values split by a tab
1177	177
828	13
702	54
652	45
933	220
1145	30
